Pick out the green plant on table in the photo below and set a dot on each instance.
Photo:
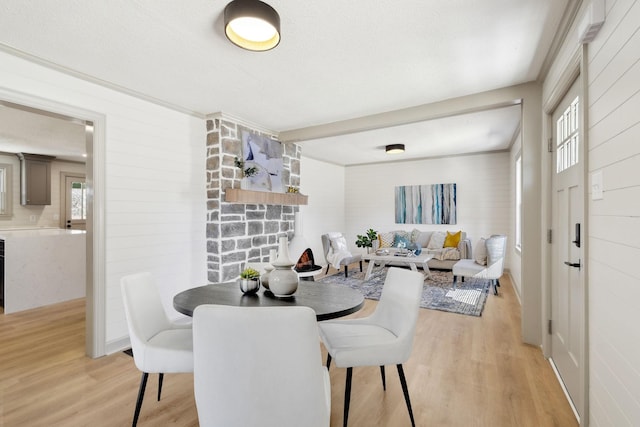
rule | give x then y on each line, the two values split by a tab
366	240
250	274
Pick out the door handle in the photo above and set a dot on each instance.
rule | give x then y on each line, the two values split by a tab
577	241
573	264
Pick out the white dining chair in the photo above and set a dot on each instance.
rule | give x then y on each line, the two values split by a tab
159	345
383	338
259	367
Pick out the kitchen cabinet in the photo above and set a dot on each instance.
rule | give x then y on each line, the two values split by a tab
35	179
43	266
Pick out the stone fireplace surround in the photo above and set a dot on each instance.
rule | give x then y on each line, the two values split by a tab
239	233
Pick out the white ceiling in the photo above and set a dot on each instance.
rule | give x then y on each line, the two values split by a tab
337	60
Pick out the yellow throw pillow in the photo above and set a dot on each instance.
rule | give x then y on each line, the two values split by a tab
386	239
452	240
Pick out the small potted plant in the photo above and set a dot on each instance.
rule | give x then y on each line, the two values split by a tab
366	240
249	281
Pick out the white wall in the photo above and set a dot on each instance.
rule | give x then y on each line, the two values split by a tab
613	75
614	232
155	201
483	194
43	215
515	263
324	183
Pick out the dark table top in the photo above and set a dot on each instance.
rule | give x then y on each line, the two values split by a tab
329	301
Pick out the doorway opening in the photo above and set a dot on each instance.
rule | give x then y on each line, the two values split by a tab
94	125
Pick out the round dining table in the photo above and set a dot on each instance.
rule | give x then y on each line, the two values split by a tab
329	301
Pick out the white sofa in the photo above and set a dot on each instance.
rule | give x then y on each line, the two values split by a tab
443	257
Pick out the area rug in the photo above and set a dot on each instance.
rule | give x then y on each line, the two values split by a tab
467	297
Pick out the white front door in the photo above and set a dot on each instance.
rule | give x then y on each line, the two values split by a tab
567	248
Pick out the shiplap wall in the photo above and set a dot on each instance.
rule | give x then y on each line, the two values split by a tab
155	201
43	215
614	235
324	183
613	245
483	194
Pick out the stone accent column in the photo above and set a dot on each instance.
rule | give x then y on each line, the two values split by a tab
238	233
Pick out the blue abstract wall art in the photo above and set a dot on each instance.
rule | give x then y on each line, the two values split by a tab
426	204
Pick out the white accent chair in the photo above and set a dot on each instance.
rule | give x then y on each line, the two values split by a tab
383	338
344	261
491	269
259	366
158	345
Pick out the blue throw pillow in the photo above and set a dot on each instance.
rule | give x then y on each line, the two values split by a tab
415	248
401	242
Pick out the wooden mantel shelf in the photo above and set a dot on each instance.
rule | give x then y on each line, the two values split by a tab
236	195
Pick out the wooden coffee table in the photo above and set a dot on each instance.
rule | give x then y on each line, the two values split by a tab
411	261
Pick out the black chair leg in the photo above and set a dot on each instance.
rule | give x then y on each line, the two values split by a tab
328	361
455	280
360	266
327	272
346	271
143	385
405	390
347	396
495	287
160	378
384	381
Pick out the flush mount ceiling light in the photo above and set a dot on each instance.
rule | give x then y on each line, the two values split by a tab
252	25
394	148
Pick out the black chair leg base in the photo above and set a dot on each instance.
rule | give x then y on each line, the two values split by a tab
347	396
143	386
384	381
405	390
160	379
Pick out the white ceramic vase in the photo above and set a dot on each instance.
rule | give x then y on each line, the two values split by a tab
264	279
283	281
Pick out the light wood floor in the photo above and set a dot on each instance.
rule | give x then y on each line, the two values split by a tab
464	371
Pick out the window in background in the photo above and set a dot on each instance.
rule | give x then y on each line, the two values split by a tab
5	191
74	206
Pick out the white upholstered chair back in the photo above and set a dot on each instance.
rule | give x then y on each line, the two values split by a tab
159	346
259	366
145	313
383	338
496	249
398	309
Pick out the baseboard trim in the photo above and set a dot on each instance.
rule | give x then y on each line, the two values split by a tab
564	390
118	345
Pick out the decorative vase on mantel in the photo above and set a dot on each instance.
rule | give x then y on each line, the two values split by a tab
283	281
